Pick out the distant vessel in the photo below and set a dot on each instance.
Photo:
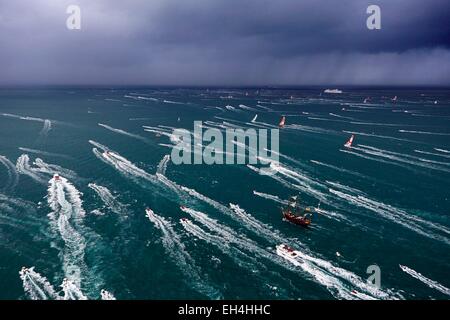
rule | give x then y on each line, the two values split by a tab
254	119
295	214
282	122
394	99
288	253
334	91
349	143
367	100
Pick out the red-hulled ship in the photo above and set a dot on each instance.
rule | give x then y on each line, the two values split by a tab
295	214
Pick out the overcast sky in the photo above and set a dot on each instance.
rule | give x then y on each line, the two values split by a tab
225	42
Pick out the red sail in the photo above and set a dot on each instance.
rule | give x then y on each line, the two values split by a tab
348	144
282	122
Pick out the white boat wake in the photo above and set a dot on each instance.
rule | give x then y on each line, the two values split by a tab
414	223
177	251
66	217
123	132
106	295
108	199
72	291
13	178
430	283
162	166
36	286
40	171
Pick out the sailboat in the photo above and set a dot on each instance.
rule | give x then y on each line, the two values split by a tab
348	144
282	122
295	214
254	119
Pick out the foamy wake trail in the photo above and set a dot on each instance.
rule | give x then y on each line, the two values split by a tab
433	154
240	258
425	132
23	167
66	217
9	115
51	169
342	117
47	127
274	236
120	163
395	157
243	106
162	132
106	295
377	136
13	177
177	251
129	170
36	286
270	197
162	166
442	150
357	174
41	171
314	192
334	285
308	129
430	283
303	182
108	199
44	153
72	291
328	278
420	226
123	132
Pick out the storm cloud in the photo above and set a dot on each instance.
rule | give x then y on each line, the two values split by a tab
225	42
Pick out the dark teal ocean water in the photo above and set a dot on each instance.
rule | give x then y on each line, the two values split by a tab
384	202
